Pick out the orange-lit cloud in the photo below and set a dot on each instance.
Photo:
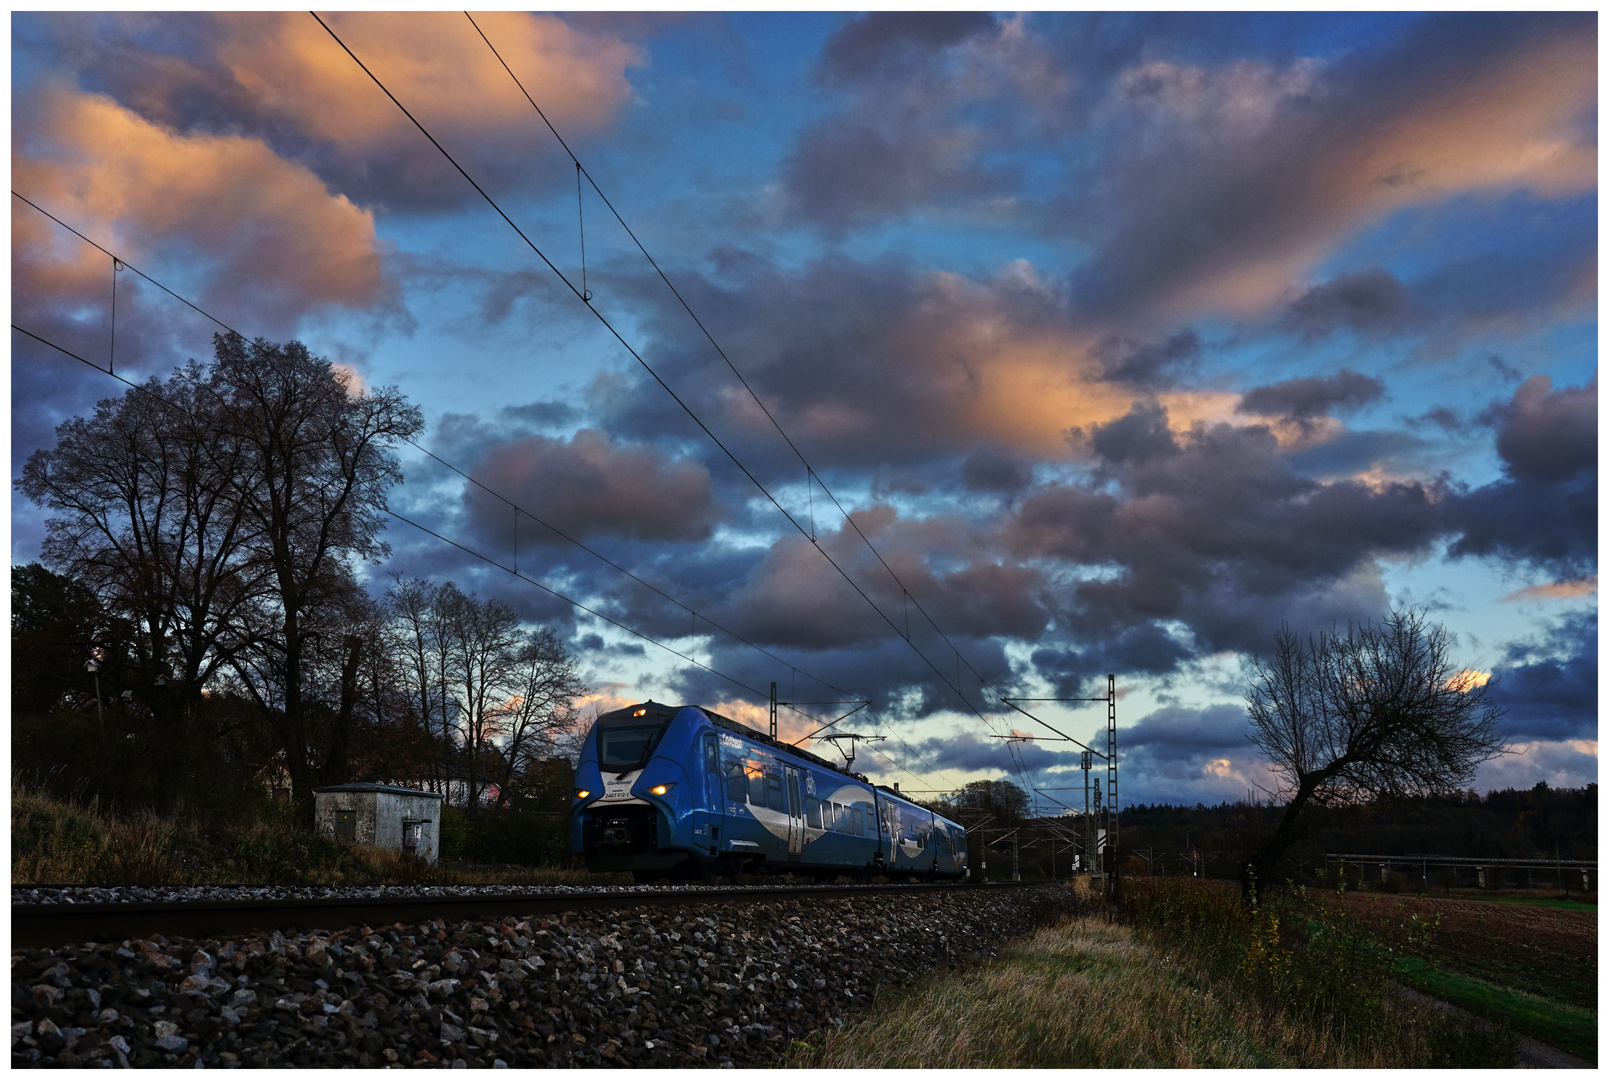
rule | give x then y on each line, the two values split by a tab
1557	590
434	62
1320	160
263	227
791	726
1467	680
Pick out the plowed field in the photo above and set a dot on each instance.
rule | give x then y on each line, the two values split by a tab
1539	950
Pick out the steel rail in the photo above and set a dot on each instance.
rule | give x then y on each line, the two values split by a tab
42	925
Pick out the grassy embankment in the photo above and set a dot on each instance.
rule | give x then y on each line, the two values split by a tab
1177	977
60	842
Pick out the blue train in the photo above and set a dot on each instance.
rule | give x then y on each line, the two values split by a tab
671	791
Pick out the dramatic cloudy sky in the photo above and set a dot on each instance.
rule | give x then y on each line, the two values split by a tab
1121	339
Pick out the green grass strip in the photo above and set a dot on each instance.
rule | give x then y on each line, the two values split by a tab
1565	905
1573	1030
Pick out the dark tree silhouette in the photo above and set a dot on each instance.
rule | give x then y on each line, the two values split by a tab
142	516
316	464
220	514
1379	711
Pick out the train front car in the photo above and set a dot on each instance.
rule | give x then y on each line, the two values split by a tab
667	791
636	798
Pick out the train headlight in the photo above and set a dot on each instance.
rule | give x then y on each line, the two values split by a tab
660	789
582	793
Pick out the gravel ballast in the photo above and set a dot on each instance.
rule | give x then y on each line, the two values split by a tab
703	984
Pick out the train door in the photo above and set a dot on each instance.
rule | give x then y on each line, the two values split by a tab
714	791
795	811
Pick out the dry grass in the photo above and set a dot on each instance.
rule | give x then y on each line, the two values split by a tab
1081	994
1091	992
58	842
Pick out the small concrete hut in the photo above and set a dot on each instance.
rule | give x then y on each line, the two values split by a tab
394	818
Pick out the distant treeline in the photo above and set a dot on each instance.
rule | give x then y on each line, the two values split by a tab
1508	824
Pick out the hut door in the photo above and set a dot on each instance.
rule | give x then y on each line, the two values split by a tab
346	825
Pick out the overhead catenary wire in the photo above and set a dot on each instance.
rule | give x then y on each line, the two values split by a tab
659	379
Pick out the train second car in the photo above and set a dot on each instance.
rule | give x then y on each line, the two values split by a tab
666	790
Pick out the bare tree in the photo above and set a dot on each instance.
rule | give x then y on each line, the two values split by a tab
546	682
315	467
143	517
1380	711
485	636
421	642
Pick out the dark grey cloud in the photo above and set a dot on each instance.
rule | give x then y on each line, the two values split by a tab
1371	302
1143	648
542	414
1551	692
1181	727
1352	452
1545	509
591	485
878	45
1140	436
1216	529
926	114
794	597
995	469
1546	435
1442	417
1306	398
900	682
977	751
845	171
1152	365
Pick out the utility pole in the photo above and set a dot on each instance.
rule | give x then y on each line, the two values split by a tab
1087	759
773	711
1111	785
95	669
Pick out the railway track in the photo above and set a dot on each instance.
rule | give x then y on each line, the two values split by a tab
46	925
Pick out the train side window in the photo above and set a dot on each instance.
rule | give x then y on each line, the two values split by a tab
855	826
773	793
737	785
833	816
813	811
712	755
757	788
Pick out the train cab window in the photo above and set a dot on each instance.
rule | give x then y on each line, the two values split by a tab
626	742
773	793
737	785
757	789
